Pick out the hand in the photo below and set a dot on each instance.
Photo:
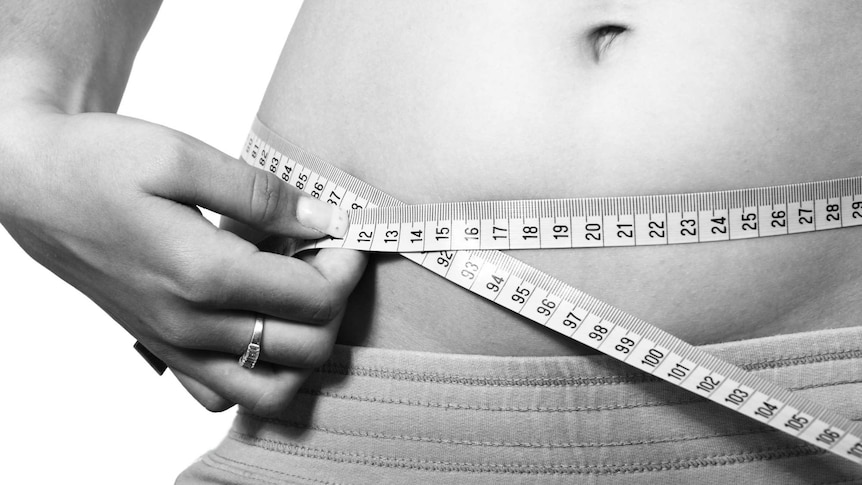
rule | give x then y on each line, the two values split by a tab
108	203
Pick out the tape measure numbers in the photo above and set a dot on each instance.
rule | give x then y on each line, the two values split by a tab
607	222
458	240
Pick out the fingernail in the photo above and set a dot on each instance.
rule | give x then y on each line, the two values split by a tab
321	216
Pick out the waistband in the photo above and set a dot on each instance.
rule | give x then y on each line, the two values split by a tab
378	415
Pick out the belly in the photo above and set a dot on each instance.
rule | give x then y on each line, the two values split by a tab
440	101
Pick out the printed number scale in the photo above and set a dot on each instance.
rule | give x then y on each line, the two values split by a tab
606	222
459	241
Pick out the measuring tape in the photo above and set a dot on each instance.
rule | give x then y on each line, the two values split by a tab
458	241
606	222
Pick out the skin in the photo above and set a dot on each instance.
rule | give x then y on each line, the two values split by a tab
111	197
431	101
446	101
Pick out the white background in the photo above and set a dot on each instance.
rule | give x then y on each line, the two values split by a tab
78	404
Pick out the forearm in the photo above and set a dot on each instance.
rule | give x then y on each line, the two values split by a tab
72	55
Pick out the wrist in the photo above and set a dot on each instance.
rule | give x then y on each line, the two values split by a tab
27	131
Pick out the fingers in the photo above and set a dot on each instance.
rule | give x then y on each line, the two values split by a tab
342	267
204	395
312	291
244	231
284	342
220	282
217	380
225	185
326	280
289	352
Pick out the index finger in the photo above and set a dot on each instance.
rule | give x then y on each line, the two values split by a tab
243	278
254	197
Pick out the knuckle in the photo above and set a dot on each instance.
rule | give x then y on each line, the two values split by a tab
170	155
214	404
173	143
319	356
195	293
273	402
315	352
266	199
200	283
328	306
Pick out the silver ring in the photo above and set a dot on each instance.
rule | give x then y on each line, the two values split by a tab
252	352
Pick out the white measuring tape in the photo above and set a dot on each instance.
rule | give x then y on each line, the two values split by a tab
458	241
607	222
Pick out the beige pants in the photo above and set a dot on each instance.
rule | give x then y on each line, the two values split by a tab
383	416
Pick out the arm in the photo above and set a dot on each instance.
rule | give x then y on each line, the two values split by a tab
108	203
74	56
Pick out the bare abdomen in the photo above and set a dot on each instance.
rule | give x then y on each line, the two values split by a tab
429	107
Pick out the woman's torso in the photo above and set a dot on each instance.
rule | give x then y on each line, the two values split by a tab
454	100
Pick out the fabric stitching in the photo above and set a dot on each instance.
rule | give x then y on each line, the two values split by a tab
815	358
827	384
400	374
404	375
426	439
842	482
229	469
240	473
468	407
520	468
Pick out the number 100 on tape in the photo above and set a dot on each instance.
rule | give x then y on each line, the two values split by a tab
458	241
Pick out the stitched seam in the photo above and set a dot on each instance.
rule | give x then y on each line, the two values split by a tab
520	468
804	359
403	375
239	473
842	482
827	384
228	468
468	407
425	439
397	374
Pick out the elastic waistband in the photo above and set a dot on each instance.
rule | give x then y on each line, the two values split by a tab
409	414
769	353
